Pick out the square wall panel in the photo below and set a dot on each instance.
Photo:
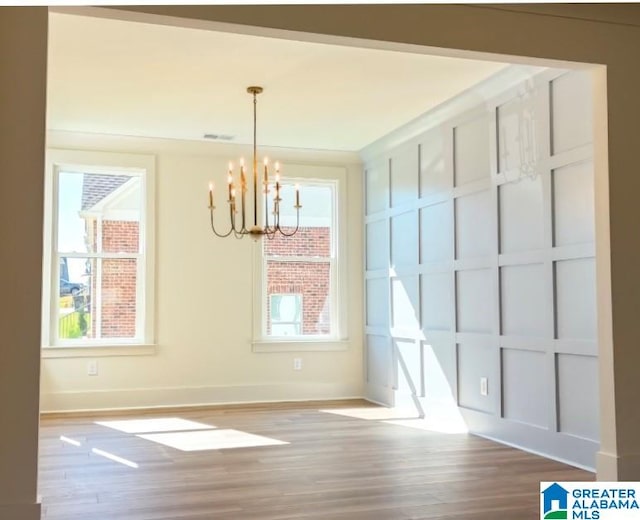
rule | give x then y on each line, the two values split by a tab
378	302
378	361
576	299
439	359
436	233
525	387
377	186
475	301
475	362
436	292
472	150
578	399
408	367
475	230
434	177
571	111
573	204
378	245
524	294
405	305
521	215
404	175
404	239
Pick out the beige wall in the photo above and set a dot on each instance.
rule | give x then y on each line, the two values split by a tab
203	295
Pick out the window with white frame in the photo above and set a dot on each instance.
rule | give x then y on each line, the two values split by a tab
300	274
97	243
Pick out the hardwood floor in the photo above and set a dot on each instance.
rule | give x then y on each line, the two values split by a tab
331	467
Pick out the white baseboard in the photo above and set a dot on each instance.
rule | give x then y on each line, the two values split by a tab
546	455
195	396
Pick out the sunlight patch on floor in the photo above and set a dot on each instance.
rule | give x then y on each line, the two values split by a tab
441	417
161	424
114	458
375	413
211	440
71	441
449	425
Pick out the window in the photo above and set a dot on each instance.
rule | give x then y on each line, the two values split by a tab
97	244
299	290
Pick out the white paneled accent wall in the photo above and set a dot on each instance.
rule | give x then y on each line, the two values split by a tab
480	265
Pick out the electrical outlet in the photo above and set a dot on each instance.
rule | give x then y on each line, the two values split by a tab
92	368
484	386
297	363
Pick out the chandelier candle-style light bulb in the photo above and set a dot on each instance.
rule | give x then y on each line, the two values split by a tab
265	181
240	229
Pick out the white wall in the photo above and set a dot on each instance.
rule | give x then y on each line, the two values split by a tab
481	264
204	300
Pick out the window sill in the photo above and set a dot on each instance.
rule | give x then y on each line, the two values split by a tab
278	345
49	352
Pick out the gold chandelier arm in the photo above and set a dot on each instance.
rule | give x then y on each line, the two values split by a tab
213	227
276	212
297	225
242	207
266	207
238	233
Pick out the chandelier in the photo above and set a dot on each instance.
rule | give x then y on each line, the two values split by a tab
240	212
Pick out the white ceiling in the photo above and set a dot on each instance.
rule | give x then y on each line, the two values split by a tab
127	78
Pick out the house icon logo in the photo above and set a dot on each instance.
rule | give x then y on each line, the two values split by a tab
554	502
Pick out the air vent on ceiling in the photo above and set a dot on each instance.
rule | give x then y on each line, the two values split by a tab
219	137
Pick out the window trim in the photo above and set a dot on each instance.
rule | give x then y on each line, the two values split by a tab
337	339
59	160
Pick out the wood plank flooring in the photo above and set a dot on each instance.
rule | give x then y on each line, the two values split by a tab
333	467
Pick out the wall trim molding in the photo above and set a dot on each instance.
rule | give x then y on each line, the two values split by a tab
156	145
168	397
565	448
